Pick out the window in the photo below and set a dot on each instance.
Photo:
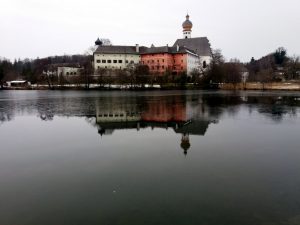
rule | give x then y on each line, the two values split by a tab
182	68
153	67
126	61
67	73
163	60
131	61
98	61
204	64
99	67
115	61
148	61
182	60
75	73
104	61
105	67
158	60
71	73
108	61
163	67
152	61
120	61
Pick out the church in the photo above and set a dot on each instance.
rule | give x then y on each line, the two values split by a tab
186	55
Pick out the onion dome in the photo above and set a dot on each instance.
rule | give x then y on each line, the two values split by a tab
185	143
187	24
98	42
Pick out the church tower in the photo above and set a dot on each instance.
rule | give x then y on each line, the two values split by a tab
187	27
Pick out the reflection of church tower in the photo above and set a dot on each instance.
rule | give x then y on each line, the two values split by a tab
187	27
185	143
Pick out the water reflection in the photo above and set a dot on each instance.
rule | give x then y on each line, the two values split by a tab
164	112
116	158
162	108
187	114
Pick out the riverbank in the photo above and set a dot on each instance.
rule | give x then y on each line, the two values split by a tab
286	86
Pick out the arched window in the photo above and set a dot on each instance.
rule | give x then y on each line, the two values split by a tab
204	64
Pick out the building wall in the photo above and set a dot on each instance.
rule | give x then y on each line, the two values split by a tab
115	61
206	59
193	63
158	63
68	71
180	63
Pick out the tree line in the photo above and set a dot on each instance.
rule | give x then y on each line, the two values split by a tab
276	66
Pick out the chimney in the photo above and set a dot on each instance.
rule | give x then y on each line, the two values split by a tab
177	48
137	48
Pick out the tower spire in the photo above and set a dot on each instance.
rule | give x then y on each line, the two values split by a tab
187	27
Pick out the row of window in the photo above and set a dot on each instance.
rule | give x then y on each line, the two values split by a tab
153	61
111	67
163	67
131	56
113	61
71	73
117	115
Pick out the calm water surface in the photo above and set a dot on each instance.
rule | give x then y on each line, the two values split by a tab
145	158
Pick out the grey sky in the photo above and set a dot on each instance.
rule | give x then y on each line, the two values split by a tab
241	28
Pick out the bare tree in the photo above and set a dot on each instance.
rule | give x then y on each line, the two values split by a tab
293	67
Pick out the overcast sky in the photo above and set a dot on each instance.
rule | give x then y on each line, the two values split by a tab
240	28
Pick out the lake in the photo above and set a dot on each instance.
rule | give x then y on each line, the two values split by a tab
145	158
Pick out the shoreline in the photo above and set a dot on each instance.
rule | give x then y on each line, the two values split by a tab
283	86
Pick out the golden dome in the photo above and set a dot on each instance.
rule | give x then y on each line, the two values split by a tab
187	24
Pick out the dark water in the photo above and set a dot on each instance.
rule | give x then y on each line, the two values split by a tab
139	158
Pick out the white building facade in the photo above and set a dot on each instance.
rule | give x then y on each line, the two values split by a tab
193	62
116	57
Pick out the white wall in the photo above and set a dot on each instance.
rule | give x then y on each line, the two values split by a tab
125	58
192	63
207	59
68	71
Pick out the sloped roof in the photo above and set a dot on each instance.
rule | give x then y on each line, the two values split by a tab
116	49
166	49
200	45
119	49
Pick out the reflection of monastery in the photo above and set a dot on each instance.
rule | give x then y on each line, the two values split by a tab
174	114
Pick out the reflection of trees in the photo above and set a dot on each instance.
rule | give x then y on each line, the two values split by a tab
5	116
155	107
7	112
275	107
